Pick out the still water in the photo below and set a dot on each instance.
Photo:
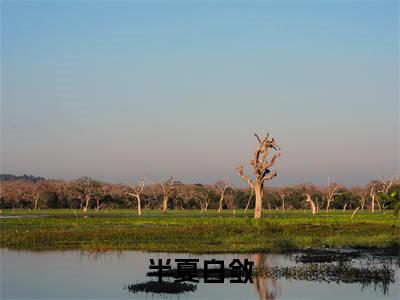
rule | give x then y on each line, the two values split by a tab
83	275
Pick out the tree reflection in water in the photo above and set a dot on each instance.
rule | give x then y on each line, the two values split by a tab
329	267
266	288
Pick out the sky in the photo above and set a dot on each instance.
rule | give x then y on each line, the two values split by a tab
116	90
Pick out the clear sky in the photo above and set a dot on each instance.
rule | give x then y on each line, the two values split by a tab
117	90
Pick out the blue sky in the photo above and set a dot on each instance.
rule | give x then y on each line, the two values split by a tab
117	90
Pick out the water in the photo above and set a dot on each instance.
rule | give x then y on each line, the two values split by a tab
82	275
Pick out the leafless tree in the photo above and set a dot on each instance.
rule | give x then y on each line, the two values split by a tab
221	186
331	192
362	194
373	193
248	201
204	195
84	188
381	186
137	191
354	212
386	185
168	187
230	200
261	171
312	203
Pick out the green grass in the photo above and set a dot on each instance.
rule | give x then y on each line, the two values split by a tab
192	231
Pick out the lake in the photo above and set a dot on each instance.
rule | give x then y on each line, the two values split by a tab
83	275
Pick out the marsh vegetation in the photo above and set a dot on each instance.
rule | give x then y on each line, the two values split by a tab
196	231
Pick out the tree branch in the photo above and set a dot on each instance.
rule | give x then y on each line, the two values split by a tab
269	177
244	177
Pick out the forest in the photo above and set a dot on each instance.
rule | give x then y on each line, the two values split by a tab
86	193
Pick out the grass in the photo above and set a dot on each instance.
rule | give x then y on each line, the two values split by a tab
196	232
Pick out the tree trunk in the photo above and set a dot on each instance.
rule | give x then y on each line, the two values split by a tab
248	201
328	204
379	204
221	200
165	204
354	212
313	209
313	206
139	207
258	191
85	209
373	204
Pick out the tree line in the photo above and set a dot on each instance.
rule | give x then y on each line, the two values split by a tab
86	193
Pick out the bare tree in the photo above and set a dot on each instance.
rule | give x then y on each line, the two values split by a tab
84	188
230	200
36	196
354	212
313	206
372	194
168	187
261	171
248	201
102	190
222	188
362	194
386	185
204	195
137	191
331	192
376	187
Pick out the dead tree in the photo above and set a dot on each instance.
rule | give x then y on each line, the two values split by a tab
372	194
377	187
363	194
331	192
85	188
313	206
386	185
137	191
248	201
354	212
223	188
204	196
261	171
168	187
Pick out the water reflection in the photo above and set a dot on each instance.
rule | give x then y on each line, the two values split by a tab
125	275
266	288
337	267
